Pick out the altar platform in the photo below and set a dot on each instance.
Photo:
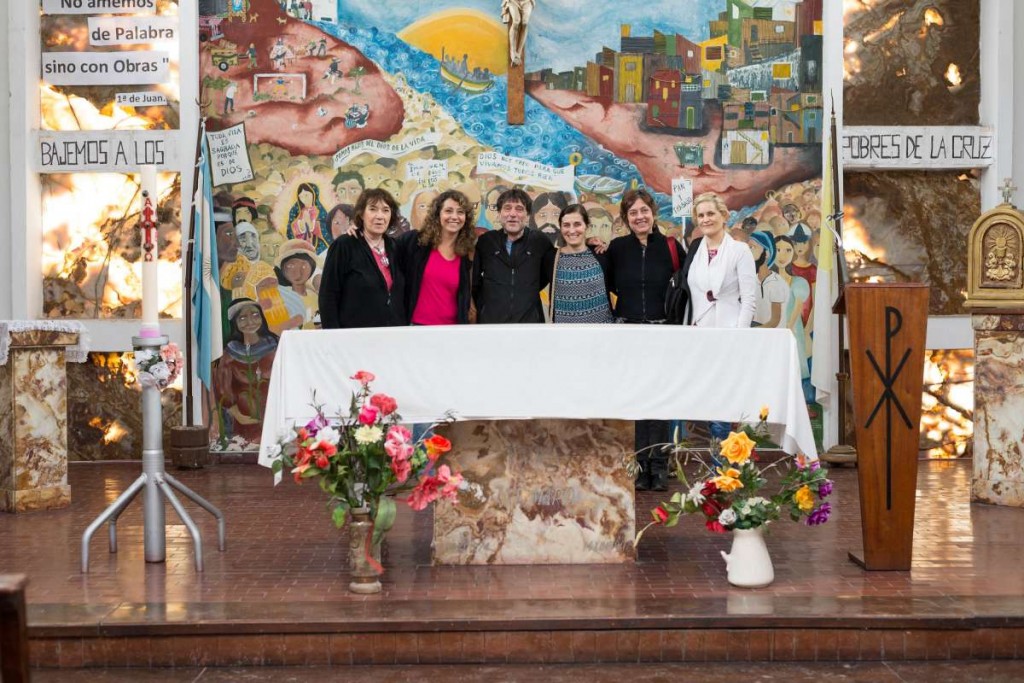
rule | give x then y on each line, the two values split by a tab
278	596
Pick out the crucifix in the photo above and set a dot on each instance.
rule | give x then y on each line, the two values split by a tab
1007	188
516	15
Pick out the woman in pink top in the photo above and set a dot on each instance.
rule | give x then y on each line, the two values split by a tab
437	262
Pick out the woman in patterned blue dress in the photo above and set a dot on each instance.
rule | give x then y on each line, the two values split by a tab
578	293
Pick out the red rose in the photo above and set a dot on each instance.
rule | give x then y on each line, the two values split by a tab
709	489
715	526
322	461
384	403
660	515
711	509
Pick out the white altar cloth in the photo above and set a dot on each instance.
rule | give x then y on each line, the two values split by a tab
495	372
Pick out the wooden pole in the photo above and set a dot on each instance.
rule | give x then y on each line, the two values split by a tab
516	93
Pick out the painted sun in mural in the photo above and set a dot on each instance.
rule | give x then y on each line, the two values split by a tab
459	32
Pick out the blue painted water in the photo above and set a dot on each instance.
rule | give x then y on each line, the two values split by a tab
545	137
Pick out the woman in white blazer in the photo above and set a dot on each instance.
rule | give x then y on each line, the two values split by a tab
721	277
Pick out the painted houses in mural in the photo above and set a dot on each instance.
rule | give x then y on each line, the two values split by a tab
335	97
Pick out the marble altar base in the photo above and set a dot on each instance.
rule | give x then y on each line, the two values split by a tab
33	422
998	476
551	492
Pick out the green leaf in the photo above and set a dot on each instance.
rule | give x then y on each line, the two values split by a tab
277	466
384	519
310	473
339	516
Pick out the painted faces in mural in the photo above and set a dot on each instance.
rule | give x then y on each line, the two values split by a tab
347	187
421	207
546	208
248	240
227	243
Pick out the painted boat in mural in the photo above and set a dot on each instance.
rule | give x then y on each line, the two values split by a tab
465	83
591	185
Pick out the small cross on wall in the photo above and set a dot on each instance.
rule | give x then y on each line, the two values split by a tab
1008	189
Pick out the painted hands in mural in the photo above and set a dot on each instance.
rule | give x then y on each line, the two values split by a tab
516	14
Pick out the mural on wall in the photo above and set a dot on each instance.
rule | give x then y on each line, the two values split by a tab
336	97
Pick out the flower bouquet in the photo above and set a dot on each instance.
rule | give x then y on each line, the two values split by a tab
159	369
363	460
727	492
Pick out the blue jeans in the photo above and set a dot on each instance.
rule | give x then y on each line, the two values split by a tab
719	431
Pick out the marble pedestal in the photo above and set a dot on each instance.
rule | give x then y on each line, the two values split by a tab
33	422
998	409
551	492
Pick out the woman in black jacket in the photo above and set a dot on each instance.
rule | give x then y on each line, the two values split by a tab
437	262
362	285
640	265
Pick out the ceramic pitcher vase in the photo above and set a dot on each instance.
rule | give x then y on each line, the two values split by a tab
749	564
364	578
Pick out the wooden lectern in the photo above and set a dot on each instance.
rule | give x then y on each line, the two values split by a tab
888	325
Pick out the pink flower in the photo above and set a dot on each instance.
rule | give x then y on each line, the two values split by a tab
398	450
364	377
442	485
367	415
401	468
425	493
400	434
384	403
169	352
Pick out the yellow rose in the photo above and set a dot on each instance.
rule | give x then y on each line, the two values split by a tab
764	413
737	448
728	481
804	499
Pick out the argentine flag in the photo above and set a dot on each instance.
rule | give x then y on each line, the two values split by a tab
206	305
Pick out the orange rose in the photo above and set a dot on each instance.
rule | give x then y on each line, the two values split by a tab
737	448
436	445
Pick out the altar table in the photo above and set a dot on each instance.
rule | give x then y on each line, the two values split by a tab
555	488
503	372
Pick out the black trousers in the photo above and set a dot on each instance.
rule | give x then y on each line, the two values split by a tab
648	438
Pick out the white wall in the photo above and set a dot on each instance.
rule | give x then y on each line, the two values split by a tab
6	255
1018	106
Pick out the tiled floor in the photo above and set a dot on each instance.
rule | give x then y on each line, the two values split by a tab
282	548
285	569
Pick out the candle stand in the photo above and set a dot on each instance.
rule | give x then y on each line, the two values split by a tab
155	484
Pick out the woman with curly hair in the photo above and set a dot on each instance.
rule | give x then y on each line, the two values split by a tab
437	262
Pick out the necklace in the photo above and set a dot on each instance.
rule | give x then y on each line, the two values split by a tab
381	252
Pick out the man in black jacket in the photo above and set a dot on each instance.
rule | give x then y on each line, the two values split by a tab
508	275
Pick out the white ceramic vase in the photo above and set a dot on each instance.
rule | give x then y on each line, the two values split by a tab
748	563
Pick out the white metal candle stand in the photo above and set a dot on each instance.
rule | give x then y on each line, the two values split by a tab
155	484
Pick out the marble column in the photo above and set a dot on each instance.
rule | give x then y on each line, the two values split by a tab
549	492
33	422
998	409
